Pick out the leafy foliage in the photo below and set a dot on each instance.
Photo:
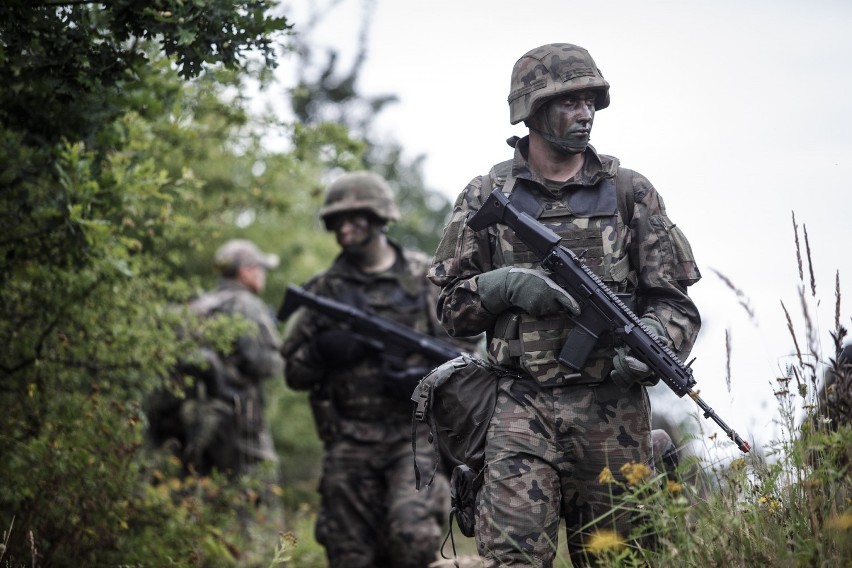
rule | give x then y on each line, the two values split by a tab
122	178
326	94
64	63
97	217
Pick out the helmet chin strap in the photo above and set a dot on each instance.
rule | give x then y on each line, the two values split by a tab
560	145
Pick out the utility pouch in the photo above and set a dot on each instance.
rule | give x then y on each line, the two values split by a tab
325	417
455	402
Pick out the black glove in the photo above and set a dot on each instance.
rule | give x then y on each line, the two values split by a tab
337	348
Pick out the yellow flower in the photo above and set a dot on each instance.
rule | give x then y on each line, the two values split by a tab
606	476
635	472
674	487
604	540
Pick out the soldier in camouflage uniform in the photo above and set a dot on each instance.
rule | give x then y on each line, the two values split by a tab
371	513
226	427
554	431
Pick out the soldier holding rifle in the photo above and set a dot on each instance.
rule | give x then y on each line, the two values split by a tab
371	513
556	428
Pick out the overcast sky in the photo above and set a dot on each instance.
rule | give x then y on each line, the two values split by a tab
738	112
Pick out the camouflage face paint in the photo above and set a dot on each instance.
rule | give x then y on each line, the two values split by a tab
566	122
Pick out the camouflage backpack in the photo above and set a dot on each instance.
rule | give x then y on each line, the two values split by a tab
455	402
199	423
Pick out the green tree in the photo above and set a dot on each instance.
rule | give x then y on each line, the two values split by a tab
326	94
98	220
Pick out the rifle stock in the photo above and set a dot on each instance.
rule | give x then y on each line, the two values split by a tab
381	330
602	309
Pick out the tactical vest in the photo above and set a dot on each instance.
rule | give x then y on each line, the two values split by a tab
361	392
591	222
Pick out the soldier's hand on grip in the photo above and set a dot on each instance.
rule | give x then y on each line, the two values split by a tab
531	290
628	370
337	348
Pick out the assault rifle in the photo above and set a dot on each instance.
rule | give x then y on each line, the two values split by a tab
602	311
380	331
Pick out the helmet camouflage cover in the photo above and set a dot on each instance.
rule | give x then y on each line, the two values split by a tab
359	191
549	71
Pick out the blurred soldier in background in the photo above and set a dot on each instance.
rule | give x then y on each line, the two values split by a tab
371	513
556	433
220	424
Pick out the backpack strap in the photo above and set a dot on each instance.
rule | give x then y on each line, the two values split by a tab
625	195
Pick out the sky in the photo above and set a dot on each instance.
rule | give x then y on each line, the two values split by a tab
737	111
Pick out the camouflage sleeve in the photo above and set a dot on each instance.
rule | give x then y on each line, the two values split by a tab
259	353
665	266
469	344
460	257
300	370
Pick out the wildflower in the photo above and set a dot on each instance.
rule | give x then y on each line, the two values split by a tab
603	541
738	464
674	487
606	476
771	504
635	472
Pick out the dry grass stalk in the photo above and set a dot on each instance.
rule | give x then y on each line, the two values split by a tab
837	300
798	248
792	332
810	261
744	300
810	329
728	359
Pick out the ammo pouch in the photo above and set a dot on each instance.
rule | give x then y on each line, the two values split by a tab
533	344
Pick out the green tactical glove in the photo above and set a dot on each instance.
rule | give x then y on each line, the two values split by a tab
530	290
628	370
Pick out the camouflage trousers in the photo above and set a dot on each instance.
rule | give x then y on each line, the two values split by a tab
545	451
371	513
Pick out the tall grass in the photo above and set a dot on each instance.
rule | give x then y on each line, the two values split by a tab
791	505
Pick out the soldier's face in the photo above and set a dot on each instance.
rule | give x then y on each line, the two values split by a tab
567	121
352	230
253	277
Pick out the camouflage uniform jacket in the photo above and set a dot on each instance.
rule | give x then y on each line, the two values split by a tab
645	256
362	397
255	357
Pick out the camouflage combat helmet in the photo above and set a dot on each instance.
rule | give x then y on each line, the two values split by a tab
359	191
549	71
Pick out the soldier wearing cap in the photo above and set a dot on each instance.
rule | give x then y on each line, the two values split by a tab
555	431
371	513
243	438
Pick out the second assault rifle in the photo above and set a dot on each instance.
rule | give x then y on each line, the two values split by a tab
602	311
380	331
